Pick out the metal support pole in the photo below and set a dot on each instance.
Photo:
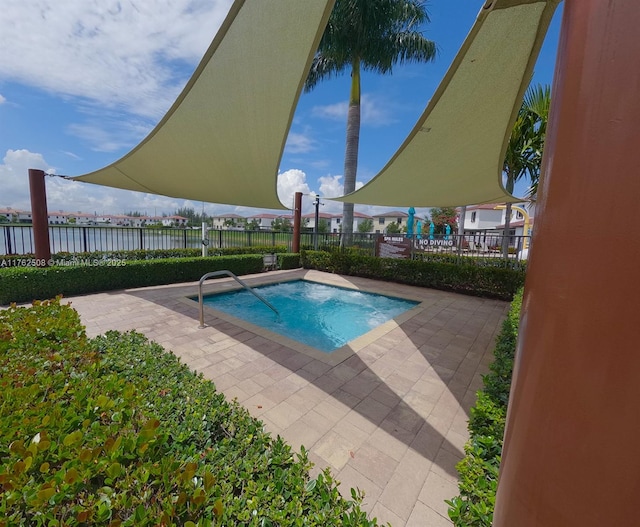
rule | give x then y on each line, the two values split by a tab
39	217
570	456
316	203
205	240
297	220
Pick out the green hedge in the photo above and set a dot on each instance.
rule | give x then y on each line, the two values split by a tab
478	470
24	284
12	260
289	261
491	282
115	431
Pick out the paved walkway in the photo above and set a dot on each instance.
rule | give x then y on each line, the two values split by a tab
388	413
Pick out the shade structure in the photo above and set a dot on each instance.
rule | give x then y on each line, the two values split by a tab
222	140
454	154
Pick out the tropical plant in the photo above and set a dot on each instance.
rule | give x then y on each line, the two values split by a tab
393	228
195	219
538	101
282	224
323	226
369	35
524	150
441	217
252	225
365	226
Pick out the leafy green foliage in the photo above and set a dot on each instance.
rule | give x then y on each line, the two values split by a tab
365	226
479	468
491	282
393	228
115	431
441	217
194	219
23	284
282	225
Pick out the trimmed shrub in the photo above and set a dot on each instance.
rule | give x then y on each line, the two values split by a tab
115	431
289	261
491	282
479	468
14	260
24	284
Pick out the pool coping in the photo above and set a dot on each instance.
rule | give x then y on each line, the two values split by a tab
332	358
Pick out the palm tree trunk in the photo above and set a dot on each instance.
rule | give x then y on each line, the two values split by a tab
351	153
507	228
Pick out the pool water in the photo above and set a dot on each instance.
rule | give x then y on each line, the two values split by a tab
322	316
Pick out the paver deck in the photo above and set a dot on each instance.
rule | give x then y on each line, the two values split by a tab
388	412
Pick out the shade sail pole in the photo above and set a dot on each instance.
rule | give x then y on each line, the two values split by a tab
39	217
570	456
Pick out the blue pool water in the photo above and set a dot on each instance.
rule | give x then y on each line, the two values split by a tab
322	316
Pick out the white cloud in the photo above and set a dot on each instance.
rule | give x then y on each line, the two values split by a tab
299	143
109	136
289	183
63	194
2	99
14	177
374	112
111	52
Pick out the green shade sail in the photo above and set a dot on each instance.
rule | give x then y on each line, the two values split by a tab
454	154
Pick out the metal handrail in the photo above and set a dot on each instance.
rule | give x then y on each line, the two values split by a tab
243	284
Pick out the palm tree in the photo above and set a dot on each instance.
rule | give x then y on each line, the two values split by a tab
537	100
524	151
369	35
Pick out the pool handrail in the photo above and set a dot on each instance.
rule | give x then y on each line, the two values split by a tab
243	284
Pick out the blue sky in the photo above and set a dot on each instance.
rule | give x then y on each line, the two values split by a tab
81	83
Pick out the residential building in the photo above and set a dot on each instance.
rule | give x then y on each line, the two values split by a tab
264	220
311	219
491	217
228	221
382	221
24	216
358	218
174	221
58	218
8	213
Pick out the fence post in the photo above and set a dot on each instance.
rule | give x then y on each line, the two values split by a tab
7	230
141	233
39	216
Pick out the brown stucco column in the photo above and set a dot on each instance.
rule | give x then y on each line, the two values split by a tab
297	219
571	455
39	217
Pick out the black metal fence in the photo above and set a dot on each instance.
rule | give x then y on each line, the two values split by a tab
18	240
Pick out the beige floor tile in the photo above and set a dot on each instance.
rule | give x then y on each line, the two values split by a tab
435	491
424	516
388	415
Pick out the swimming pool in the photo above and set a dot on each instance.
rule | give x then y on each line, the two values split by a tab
322	316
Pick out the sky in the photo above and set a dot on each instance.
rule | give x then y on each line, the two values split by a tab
82	82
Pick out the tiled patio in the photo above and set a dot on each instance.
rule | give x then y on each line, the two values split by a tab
388	413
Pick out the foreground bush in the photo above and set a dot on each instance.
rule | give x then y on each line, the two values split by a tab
115	431
478	470
471	279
